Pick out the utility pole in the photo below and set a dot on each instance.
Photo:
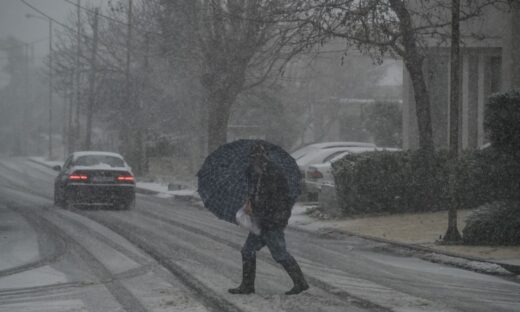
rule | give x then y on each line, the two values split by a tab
24	131
127	105
92	83
128	50
452	234
64	120
77	132
50	89
70	126
30	147
142	154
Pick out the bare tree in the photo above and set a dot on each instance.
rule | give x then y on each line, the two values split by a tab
238	44
114	81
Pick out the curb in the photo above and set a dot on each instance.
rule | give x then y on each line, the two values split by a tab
512	268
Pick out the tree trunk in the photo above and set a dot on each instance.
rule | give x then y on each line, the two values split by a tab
219	105
414	62
422	104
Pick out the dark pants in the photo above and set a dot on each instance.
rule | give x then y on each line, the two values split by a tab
275	241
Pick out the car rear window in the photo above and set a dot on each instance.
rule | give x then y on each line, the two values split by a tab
95	160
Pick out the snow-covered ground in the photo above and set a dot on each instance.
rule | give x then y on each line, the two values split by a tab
341	268
48	163
18	240
302	220
162	191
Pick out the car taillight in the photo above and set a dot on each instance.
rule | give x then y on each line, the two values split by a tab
314	173
78	177
125	179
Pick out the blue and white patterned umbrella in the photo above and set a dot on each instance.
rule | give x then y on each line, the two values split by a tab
222	182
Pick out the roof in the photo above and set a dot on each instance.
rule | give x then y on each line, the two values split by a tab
102	167
354	150
319	155
75	155
300	152
342	144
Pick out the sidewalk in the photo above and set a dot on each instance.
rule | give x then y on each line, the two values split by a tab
418	232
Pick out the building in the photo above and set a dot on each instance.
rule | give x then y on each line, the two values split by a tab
488	66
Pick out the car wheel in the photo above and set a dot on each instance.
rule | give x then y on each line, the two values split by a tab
67	202
58	201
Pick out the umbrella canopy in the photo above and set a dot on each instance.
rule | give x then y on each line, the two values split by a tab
222	181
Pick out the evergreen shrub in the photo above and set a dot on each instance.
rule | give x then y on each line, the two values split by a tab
496	223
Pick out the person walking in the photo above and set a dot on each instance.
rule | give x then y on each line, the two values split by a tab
269	205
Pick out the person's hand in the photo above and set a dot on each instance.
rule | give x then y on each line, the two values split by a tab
249	208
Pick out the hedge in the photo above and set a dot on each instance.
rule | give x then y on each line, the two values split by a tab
389	182
502	122
409	181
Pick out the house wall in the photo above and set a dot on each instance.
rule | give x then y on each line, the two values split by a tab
487	67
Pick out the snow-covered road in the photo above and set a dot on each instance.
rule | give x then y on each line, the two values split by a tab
167	255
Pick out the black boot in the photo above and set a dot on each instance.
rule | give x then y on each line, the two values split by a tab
248	278
296	274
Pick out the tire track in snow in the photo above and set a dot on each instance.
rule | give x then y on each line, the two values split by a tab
330	289
47	258
208	296
125	298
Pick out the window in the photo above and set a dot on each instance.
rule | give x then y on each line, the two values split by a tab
93	160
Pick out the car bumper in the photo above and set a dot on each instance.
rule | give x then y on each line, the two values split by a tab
316	186
100	193
312	186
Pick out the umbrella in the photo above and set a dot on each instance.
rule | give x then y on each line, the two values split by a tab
222	182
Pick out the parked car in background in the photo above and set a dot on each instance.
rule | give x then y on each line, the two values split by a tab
320	152
319	174
326	145
318	156
94	178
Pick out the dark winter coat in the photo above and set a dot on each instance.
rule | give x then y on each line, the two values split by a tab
269	195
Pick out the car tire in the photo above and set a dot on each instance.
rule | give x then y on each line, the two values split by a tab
67	203
58	201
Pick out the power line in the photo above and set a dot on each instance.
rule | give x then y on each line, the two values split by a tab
112	19
44	14
59	23
99	14
106	62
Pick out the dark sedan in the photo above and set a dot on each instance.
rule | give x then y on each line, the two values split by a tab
95	178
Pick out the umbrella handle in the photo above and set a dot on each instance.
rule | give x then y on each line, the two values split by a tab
248	208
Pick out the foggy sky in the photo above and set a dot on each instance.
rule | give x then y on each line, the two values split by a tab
14	23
